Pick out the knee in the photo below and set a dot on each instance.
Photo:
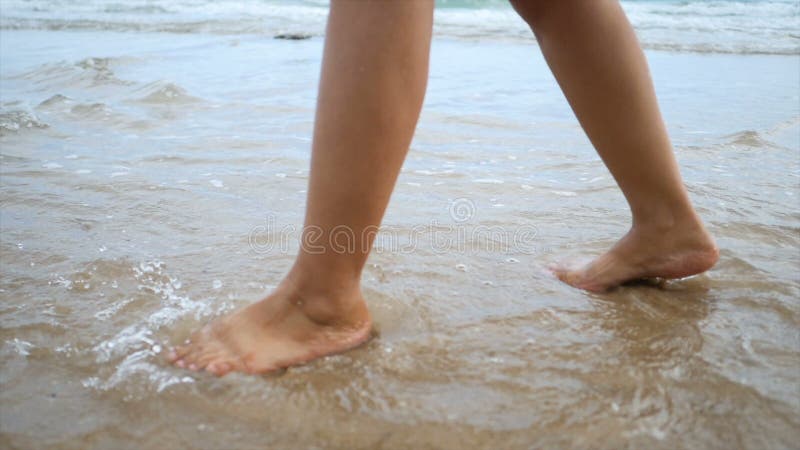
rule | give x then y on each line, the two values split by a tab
533	11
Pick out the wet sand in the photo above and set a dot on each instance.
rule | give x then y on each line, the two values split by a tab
149	184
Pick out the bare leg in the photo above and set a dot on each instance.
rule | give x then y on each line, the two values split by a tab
594	54
374	74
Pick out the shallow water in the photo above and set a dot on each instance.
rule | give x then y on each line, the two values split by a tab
152	180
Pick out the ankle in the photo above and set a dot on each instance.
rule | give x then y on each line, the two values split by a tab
326	300
662	219
686	230
312	278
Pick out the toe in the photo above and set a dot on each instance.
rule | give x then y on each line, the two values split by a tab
211	357
188	359
555	267
177	352
561	271
564	275
219	368
191	358
568	277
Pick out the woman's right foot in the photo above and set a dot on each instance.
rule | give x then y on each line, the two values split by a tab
647	252
285	329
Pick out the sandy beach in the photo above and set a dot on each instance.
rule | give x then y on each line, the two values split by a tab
153	173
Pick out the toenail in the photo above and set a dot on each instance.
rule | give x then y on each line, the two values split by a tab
192	367
180	363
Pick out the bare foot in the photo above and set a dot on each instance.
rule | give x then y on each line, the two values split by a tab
647	252
284	329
